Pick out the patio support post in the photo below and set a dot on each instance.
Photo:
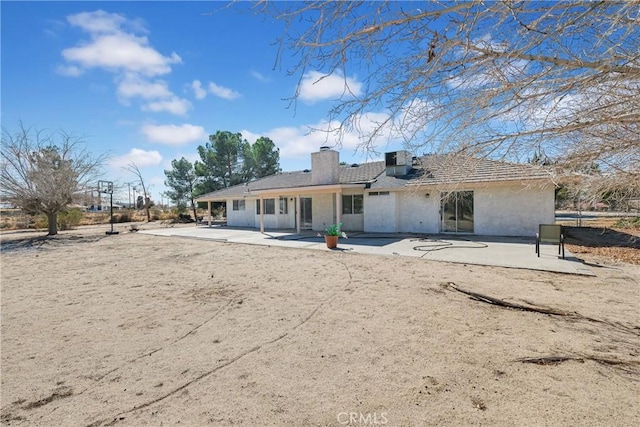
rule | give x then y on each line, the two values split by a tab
338	207
261	215
209	210
298	214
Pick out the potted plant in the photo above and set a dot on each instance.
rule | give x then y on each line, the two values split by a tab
332	234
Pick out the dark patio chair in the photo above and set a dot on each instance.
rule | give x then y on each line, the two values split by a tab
550	233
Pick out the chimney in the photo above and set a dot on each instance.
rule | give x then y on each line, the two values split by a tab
325	166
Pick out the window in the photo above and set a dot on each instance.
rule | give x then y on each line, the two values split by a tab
378	193
284	205
269	206
352	204
238	205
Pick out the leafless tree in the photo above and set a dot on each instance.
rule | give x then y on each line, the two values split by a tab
44	173
146	202
502	78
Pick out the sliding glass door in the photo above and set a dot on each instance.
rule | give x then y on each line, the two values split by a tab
306	220
456	211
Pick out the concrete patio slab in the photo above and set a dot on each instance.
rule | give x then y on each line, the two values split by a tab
479	250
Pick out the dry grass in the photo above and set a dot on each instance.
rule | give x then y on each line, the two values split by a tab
604	239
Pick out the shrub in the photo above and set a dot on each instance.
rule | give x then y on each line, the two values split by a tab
69	218
39	221
123	217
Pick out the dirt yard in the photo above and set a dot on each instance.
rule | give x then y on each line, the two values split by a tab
134	330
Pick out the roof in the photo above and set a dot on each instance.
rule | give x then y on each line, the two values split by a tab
355	174
428	170
456	169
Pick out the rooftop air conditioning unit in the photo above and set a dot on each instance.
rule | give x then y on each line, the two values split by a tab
397	158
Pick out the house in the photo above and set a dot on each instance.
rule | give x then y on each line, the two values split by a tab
430	194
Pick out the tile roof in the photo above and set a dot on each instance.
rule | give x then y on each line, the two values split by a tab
429	170
452	169
360	174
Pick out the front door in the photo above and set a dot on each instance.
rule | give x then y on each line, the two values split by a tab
457	212
305	213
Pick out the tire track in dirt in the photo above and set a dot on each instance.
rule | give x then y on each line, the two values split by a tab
142	356
324	303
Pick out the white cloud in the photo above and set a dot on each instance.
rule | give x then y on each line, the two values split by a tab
121	52
69	70
135	86
213	88
140	157
116	46
98	21
316	86
198	91
174	105
223	92
259	76
297	142
174	135
376	130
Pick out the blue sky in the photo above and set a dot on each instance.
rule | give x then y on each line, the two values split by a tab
147	82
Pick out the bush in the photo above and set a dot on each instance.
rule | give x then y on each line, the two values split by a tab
124	217
39	221
184	219
69	218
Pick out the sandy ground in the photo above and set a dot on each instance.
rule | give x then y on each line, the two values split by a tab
137	330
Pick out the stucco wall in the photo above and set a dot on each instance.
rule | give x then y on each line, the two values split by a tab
513	210
323	211
418	213
380	213
243	218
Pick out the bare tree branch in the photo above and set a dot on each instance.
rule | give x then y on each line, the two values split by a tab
45	172
146	203
500	79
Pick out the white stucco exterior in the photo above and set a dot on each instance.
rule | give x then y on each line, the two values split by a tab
419	213
323	211
380	213
513	210
241	218
492	198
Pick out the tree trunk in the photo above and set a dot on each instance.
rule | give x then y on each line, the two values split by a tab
195	211
52	218
147	202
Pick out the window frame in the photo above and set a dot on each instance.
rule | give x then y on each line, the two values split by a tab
238	205
283	205
269	206
349	205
